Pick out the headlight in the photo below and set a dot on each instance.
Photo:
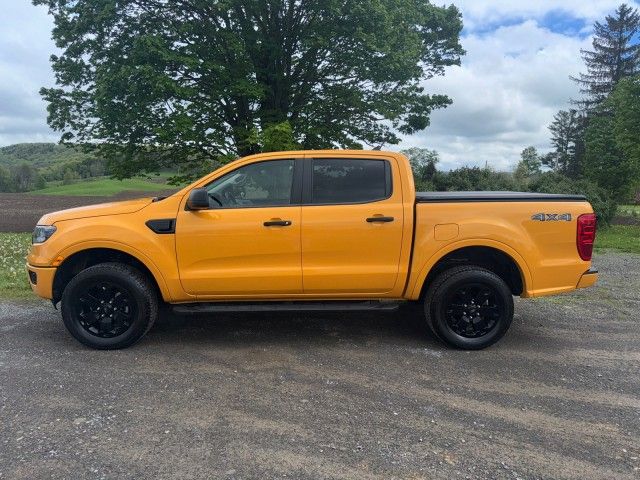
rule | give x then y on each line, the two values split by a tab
42	233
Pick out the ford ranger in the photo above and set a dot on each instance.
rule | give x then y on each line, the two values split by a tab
311	230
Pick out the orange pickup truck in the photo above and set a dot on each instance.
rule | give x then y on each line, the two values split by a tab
311	230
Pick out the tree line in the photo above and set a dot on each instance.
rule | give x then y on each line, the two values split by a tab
599	139
29	166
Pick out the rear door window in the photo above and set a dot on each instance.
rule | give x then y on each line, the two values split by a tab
336	181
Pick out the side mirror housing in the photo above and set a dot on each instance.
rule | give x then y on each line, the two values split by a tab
198	199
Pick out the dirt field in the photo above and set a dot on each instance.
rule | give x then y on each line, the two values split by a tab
356	396
21	211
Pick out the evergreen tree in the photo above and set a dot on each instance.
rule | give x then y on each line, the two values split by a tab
567	138
615	55
529	165
605	162
625	103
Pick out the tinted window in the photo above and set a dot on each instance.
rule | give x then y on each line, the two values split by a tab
350	181
262	184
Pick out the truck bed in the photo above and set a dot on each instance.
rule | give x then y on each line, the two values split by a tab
457	197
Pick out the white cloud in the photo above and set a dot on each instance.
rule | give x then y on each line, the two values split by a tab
510	84
25	47
479	13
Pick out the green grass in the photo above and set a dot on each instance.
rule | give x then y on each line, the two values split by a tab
13	275
629	210
620	237
105	186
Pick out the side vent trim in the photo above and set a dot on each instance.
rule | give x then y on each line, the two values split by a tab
162	226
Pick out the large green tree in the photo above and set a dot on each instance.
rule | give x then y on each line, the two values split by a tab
530	164
188	82
567	138
423	163
625	103
615	55
605	163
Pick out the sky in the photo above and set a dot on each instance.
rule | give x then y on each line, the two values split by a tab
513	79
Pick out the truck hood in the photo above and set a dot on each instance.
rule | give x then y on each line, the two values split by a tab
101	209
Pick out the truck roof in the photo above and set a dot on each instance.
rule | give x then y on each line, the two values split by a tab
447	197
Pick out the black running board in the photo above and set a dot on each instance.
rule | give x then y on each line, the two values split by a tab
302	306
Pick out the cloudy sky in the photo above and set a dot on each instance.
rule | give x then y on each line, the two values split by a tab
513	79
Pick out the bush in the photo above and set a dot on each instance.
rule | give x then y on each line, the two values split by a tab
70	177
25	178
603	203
485	179
473	178
6	183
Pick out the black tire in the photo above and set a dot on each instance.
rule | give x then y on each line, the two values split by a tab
109	306
468	307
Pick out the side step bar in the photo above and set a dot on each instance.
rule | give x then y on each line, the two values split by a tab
301	306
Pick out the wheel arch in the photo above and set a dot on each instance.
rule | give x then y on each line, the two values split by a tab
80	257
492	255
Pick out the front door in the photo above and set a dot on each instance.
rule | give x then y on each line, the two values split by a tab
352	226
248	242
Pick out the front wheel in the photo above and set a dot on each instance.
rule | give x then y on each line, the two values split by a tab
109	306
469	307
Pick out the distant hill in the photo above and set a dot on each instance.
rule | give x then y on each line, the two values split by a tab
62	168
40	155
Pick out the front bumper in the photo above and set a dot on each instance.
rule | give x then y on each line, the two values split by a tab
589	278
41	280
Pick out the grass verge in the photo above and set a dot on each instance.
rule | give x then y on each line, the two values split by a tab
625	238
629	210
13	275
105	187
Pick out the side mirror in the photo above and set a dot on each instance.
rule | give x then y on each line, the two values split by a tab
198	199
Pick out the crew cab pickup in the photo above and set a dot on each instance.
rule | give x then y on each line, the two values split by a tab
311	230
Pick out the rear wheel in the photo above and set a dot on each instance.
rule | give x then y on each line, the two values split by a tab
469	307
109	306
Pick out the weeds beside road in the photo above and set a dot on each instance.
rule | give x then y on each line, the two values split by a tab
624	238
13	275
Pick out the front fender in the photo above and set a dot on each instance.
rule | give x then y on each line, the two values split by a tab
124	233
125	248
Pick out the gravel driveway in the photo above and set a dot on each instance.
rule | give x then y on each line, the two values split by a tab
331	396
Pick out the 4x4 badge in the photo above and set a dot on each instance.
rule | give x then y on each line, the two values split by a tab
551	217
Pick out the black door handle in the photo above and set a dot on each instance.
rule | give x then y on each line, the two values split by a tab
380	219
277	223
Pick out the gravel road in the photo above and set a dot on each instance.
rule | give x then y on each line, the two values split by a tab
331	396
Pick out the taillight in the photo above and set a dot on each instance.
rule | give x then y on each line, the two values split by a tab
586	235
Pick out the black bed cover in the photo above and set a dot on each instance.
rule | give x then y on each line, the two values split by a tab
450	197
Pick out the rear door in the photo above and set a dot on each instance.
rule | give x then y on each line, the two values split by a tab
352	226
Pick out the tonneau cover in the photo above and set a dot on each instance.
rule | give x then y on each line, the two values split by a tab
449	197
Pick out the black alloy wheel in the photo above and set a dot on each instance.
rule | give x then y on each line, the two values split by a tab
105	309
473	310
468	307
109	305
